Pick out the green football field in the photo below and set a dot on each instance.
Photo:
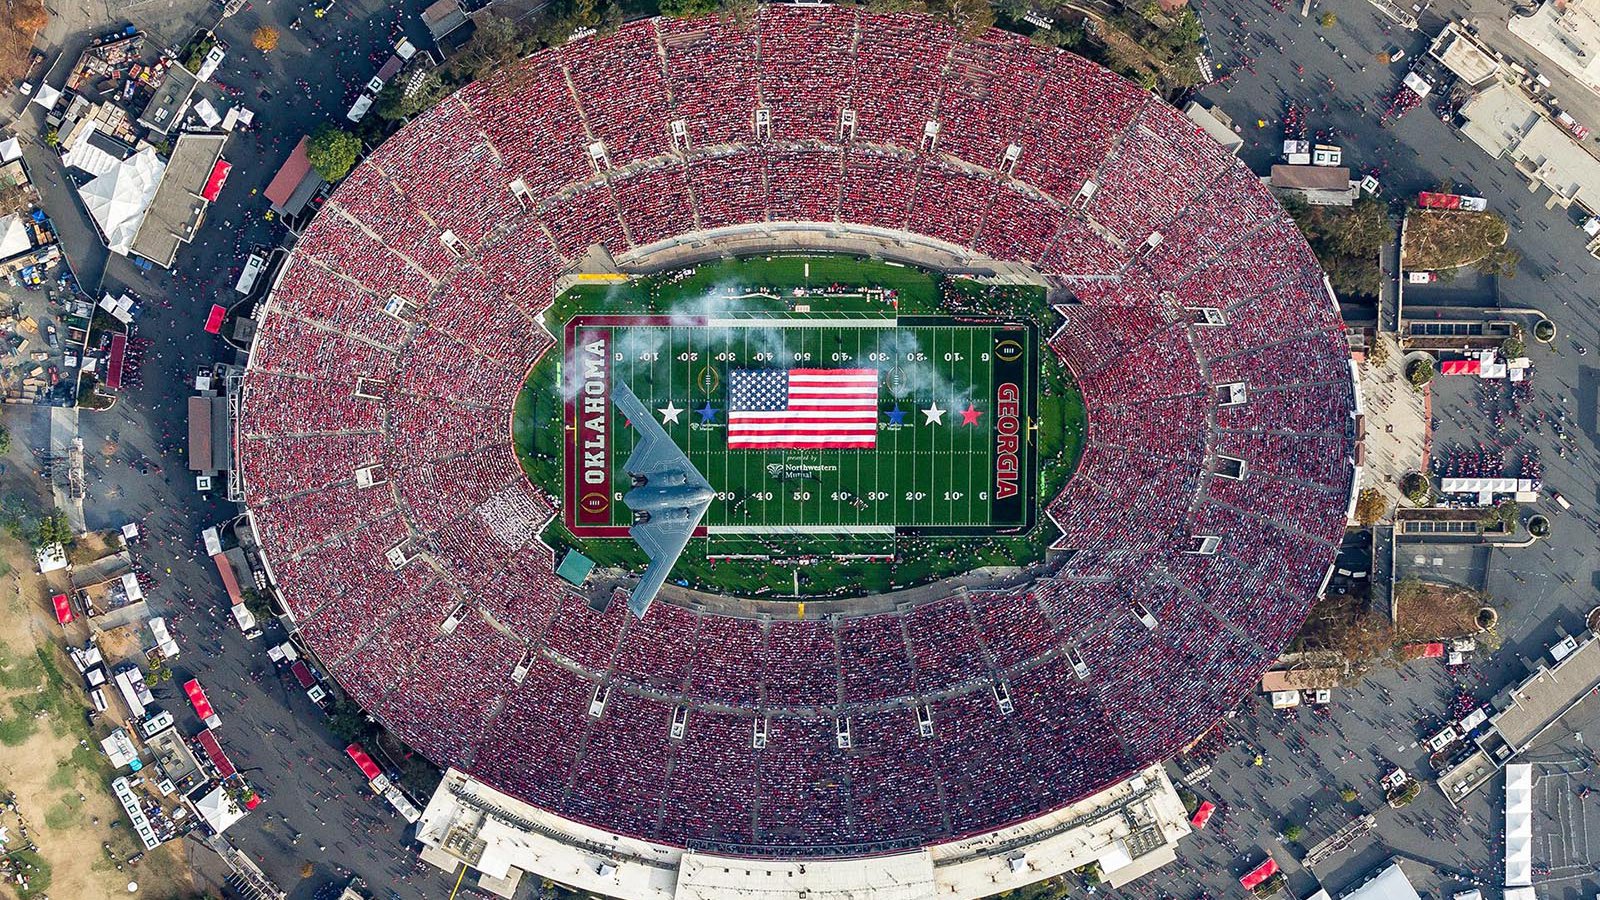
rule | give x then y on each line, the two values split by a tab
953	449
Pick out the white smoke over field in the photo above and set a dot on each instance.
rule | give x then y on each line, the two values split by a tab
911	371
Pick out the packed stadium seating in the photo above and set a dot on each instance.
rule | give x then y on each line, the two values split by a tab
430	645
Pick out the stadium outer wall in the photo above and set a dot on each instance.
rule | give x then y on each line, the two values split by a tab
1107	701
1128	829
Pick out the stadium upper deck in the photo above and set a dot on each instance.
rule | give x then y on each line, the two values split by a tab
379	470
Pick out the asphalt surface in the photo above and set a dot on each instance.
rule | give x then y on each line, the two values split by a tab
314	797
318	811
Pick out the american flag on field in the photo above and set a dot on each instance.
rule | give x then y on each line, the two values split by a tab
774	409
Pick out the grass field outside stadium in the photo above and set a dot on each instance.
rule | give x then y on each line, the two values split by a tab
975	423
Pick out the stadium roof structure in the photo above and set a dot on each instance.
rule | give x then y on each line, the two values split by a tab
431	600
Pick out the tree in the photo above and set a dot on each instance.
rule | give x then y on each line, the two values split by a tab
1501	262
1371	507
52	528
495	44
1421	371
333	151
685	9
265	39
971	17
160	672
1327	20
1293	832
1347	241
409	93
348	722
22	20
255	604
1416	488
1513	346
1348	795
5	439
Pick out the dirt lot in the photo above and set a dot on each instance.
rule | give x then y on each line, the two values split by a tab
1433	612
56	776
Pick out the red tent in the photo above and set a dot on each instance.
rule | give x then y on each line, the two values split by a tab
119	348
1259	874
1460	367
368	767
1423	651
201	703
213	748
214	320
1203	814
64	613
253	801
219	175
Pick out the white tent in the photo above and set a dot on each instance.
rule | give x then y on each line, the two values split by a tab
218	809
10	149
13	237
118	199
83	154
47	96
1519	825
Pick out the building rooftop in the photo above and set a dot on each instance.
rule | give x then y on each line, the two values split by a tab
1463	56
1311	178
1498	118
1215	123
208	434
1567	32
171	98
296	181
177	208
1546	695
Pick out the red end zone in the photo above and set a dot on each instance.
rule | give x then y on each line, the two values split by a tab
587	356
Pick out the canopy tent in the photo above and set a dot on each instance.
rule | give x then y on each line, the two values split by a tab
1259	874
213	748
214	320
363	761
119	351
215	181
10	150
1460	367
218	809
1203	814
14	237
1519	825
118	199
64	613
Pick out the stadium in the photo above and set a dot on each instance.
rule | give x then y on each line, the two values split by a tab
964	732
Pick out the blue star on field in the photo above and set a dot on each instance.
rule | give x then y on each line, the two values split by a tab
897	416
707	413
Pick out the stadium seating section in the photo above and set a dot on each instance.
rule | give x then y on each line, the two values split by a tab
389	342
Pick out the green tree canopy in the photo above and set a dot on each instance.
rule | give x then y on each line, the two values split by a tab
496	43
333	151
684	9
409	93
1346	241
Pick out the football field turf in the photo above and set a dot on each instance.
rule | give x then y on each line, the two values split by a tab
953	449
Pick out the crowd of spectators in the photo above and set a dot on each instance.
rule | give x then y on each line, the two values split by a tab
398	336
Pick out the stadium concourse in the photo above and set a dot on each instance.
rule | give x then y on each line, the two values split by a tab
403	538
